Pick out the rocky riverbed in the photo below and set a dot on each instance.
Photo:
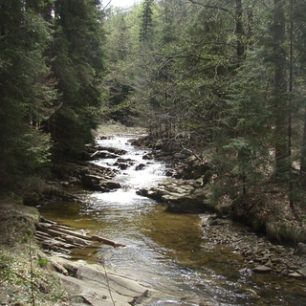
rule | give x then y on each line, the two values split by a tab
259	254
184	233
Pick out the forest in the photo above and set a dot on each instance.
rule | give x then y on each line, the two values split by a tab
222	77
220	85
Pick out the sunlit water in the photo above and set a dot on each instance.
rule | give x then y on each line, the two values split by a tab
163	249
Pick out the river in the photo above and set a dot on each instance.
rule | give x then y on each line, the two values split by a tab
166	250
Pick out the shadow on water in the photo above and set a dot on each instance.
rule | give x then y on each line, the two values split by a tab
164	249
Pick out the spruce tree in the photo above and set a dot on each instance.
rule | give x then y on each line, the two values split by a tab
78	66
146	26
26	92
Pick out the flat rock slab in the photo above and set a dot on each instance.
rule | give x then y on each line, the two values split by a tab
262	269
93	285
302	271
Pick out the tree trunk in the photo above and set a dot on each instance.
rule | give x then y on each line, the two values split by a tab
279	92
239	31
291	24
303	150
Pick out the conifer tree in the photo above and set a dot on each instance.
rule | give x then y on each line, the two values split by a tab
26	94
78	66
146	26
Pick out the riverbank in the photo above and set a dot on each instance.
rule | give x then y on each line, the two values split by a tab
266	211
26	278
270	242
31	275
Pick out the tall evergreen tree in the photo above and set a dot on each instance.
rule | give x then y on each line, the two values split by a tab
146	26
26	95
78	66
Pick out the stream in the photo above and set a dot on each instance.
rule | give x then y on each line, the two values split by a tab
163	249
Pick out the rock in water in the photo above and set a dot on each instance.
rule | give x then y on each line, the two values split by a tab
140	167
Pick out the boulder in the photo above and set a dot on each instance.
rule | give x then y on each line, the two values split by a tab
140	167
295	275
148	156
124	163
98	183
170	173
121	166
92	182
111	185
302	271
142	192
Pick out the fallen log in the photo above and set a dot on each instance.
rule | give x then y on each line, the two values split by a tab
71	238
54	235
43	220
55	243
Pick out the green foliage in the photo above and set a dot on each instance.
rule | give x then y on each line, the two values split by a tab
146	26
26	94
43	262
220	72
51	65
78	66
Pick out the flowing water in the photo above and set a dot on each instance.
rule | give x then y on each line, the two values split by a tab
163	249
